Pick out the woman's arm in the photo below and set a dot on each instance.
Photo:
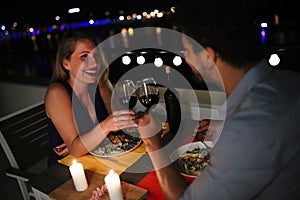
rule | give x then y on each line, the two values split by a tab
59	109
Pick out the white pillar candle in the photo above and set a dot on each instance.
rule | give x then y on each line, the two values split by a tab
78	176
113	184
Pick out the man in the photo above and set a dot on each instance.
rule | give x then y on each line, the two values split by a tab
257	154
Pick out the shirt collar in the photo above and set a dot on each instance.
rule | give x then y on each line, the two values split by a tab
251	78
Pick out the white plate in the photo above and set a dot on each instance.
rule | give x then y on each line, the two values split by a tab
189	147
108	149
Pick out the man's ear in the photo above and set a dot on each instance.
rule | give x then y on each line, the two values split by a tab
212	56
212	53
66	64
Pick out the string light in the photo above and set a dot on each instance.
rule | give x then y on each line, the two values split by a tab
140	60
126	60
177	60
274	60
158	62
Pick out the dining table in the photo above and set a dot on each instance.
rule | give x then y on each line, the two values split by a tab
56	183
96	168
136	172
137	175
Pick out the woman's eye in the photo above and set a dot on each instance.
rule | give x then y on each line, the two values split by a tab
84	57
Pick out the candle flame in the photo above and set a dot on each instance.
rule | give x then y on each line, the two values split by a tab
111	171
74	161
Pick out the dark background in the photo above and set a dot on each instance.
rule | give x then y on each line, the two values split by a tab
21	61
41	12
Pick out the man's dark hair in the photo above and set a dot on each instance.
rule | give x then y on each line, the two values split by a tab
232	33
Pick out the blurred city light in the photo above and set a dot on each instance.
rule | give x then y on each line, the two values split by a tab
74	10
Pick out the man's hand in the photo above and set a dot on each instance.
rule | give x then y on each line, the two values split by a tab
150	129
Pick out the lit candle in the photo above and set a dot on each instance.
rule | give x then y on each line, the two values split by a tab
78	176
113	184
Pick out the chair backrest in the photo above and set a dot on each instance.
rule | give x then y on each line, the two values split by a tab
24	136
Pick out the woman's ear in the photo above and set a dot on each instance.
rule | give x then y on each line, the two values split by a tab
66	64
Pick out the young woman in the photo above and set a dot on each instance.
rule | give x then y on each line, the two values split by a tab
77	101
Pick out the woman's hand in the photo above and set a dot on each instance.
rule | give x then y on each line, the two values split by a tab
119	119
61	150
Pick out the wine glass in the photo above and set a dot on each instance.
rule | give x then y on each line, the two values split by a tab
125	92
147	92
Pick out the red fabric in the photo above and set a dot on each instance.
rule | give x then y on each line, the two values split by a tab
150	182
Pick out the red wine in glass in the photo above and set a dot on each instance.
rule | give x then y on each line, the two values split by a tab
147	92
128	101
149	100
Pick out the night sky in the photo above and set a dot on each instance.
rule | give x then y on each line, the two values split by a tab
43	12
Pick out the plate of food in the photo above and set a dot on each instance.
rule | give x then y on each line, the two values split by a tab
115	144
190	159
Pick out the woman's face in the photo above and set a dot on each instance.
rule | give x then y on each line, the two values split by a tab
82	64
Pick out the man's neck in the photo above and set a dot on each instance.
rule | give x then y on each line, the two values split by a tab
231	77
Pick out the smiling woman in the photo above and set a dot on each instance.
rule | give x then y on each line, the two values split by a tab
79	96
